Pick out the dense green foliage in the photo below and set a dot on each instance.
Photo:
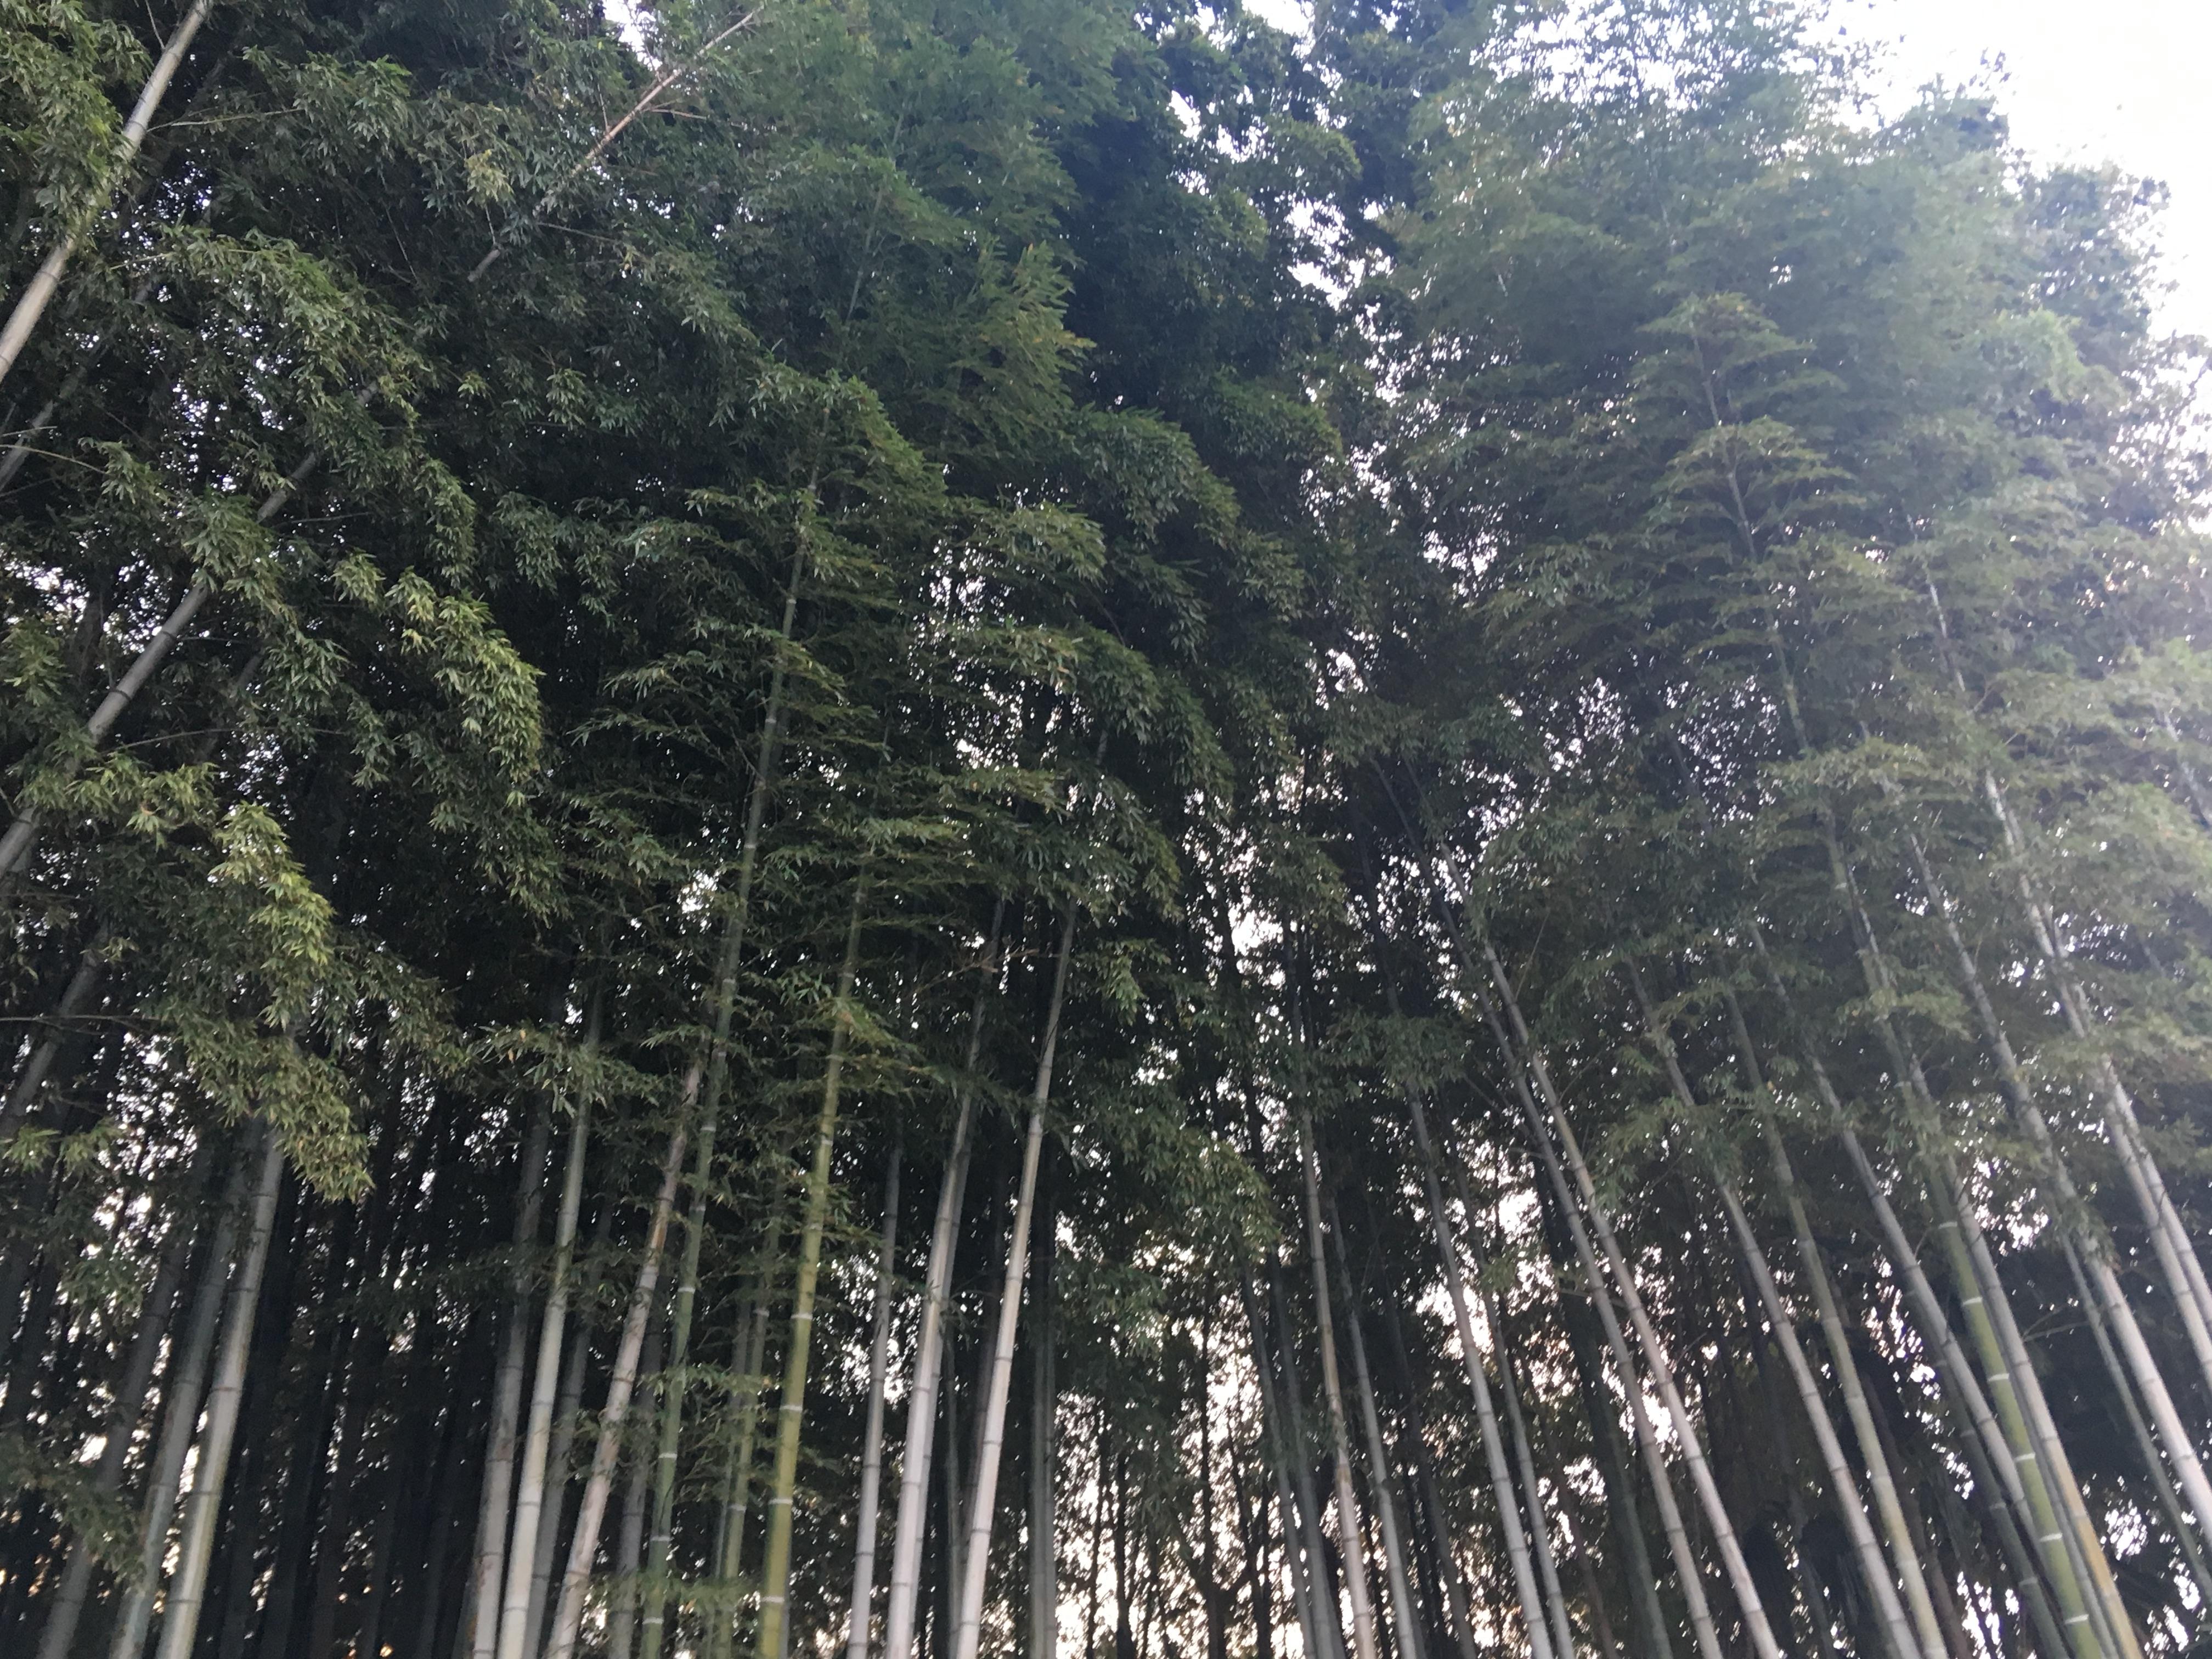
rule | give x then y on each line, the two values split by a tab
637	642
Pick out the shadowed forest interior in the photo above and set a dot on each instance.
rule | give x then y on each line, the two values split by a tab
946	828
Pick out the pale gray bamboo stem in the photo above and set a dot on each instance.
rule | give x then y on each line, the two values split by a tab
872	1439
514	1615
181	1414
921	1410
156	1317
1327	1614
39	1063
1493	1447
722	1009
2046	1470
24	320
1872	1568
991	1436
1516	1427
1523	1063
187	1594
1841	1360
501	1443
1044	1440
2082	1536
1923	1635
1350	1545
591	1510
2177	1514
1927	1307
629	1531
1693	1453
1518	1075
1404	1624
2112	1300
559	1465
1276	1432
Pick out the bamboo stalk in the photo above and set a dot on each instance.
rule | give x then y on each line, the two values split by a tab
1988	1450
722	1002
991	1438
514	1614
1904	1640
2119	1631
181	1391
1044	1437
23	320
157	1316
24	829
493	1511
871	1441
776	1569
2147	1443
630	1530
1347	1504
929	1358
2012	1382
1872	1568
1759	1632
752	1359
1328	1615
46	1045
1493	1449
1462	1630
1547	1572
1275	1434
2169	1235
568	1406
1405	1625
187	1589
1887	1506
591	1510
2091	1259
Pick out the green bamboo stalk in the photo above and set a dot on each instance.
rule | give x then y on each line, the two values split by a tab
776	1569
655	1580
737	1481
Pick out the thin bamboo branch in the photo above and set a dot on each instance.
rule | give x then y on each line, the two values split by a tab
660	83
22	830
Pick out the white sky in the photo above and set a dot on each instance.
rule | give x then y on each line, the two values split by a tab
2121	81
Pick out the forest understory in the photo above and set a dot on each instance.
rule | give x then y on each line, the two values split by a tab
946	828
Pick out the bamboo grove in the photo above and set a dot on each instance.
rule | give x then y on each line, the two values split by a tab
957	827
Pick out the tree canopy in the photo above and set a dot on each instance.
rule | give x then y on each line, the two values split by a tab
1004	826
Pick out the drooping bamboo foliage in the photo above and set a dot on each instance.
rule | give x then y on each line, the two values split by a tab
1474	737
